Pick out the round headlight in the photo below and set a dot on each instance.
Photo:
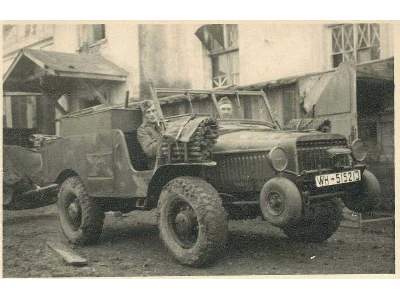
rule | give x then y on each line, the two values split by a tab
278	159
359	150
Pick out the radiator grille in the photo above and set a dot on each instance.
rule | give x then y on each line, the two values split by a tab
312	155
242	171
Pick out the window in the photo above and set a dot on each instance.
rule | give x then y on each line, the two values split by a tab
30	29
225	69
355	42
221	40
289	104
91	33
368	42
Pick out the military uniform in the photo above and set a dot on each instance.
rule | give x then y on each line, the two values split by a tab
149	136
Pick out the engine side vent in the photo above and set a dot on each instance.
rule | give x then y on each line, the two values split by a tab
312	155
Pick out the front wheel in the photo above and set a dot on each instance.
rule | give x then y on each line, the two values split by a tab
193	223
81	218
322	222
280	202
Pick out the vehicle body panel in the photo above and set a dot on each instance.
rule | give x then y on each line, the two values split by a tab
101	160
21	162
22	179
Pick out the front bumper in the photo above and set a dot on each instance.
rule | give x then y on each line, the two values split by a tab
311	193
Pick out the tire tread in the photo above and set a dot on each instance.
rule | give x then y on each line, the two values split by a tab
211	215
92	214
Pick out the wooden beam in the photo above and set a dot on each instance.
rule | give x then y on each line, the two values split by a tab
67	254
214	99
46	106
366	75
21	94
91	76
60	108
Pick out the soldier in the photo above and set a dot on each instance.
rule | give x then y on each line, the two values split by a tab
225	107
150	132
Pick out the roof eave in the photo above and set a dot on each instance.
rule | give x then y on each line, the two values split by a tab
90	76
12	66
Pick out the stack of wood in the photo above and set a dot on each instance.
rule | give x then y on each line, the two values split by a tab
198	149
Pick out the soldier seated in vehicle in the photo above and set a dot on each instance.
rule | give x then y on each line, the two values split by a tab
150	132
226	108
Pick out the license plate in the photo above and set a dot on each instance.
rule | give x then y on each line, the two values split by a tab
337	178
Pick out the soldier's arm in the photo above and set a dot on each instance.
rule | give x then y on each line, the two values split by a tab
149	145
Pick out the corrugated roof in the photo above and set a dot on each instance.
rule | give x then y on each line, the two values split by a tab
380	69
377	69
278	82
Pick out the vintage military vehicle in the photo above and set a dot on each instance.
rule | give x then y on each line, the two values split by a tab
207	170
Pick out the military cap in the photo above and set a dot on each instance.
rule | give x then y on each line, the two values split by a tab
145	105
224	100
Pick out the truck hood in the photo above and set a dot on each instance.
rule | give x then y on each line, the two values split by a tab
246	140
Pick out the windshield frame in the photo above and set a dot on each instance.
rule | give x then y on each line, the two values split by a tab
185	94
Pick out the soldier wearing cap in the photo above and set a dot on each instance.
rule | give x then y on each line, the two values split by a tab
225	108
149	134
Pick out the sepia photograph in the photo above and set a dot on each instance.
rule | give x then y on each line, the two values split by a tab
198	148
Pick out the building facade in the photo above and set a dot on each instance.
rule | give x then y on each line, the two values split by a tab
198	55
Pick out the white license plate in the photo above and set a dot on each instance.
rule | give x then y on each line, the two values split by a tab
337	178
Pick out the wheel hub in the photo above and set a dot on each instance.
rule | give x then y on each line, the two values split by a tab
74	212
275	204
184	222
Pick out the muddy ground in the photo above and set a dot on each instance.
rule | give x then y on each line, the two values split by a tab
130	246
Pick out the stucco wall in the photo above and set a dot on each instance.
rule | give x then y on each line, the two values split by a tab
275	50
170	56
387	40
65	38
122	48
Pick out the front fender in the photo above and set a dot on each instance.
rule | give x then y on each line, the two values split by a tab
166	173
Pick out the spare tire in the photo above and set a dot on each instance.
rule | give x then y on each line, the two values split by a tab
280	202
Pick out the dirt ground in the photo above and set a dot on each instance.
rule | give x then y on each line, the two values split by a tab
130	246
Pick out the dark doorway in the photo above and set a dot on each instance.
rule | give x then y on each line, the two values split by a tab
375	108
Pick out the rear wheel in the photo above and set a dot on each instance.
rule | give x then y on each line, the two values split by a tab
81	218
323	221
193	224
